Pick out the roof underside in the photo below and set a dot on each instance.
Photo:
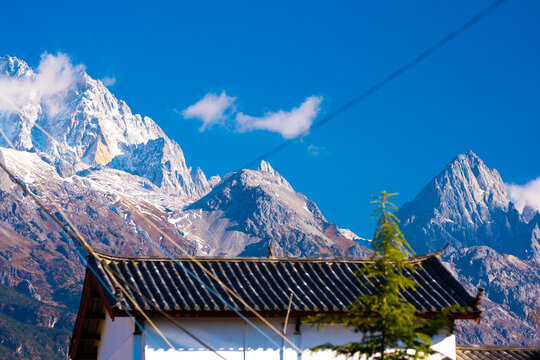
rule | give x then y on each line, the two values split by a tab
317	285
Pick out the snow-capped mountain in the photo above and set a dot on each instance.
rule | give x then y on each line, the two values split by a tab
467	205
100	130
99	149
242	214
101	163
95	127
493	246
263	205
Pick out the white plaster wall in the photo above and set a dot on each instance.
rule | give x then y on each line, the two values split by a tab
445	344
116	339
235	340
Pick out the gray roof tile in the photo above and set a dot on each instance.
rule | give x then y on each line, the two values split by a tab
318	285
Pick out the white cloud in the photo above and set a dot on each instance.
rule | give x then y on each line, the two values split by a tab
289	124
315	150
55	78
108	80
523	195
211	109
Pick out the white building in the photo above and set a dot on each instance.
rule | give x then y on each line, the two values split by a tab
191	316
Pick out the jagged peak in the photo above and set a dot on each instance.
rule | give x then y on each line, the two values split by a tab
469	165
199	176
265	166
271	175
7	59
466	190
471	154
469	158
264	174
98	127
13	66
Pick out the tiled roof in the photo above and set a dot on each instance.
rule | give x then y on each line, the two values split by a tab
318	285
497	353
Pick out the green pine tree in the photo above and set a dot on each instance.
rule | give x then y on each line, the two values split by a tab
389	325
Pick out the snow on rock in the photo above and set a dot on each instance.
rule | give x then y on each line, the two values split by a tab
98	129
466	205
263	206
101	148
493	246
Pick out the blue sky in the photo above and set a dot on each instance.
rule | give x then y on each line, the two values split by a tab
480	92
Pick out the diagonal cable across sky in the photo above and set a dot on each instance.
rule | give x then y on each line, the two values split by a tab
383	82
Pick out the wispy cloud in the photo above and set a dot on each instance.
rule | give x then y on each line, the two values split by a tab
523	195
108	80
315	150
289	124
54	79
211	109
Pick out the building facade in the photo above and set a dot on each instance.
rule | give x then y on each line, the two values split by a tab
160	308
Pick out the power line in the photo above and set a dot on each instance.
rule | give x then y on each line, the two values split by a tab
74	233
71	235
384	81
373	89
80	239
191	273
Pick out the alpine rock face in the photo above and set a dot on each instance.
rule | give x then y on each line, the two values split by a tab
95	128
122	182
263	205
467	205
494	246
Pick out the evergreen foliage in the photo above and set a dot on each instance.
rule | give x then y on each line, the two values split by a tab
390	327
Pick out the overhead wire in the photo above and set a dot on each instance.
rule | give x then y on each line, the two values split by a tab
172	320
383	82
198	278
370	91
70	235
88	248
373	89
77	236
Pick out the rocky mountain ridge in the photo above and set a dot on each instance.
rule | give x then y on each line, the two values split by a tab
241	214
263	204
99	164
93	128
494	246
467	204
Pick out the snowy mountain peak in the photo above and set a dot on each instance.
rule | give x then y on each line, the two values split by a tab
12	66
90	125
471	156
469	160
263	205
467	176
266	171
266	167
467	205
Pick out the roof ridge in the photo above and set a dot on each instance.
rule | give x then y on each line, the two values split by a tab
102	255
437	253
